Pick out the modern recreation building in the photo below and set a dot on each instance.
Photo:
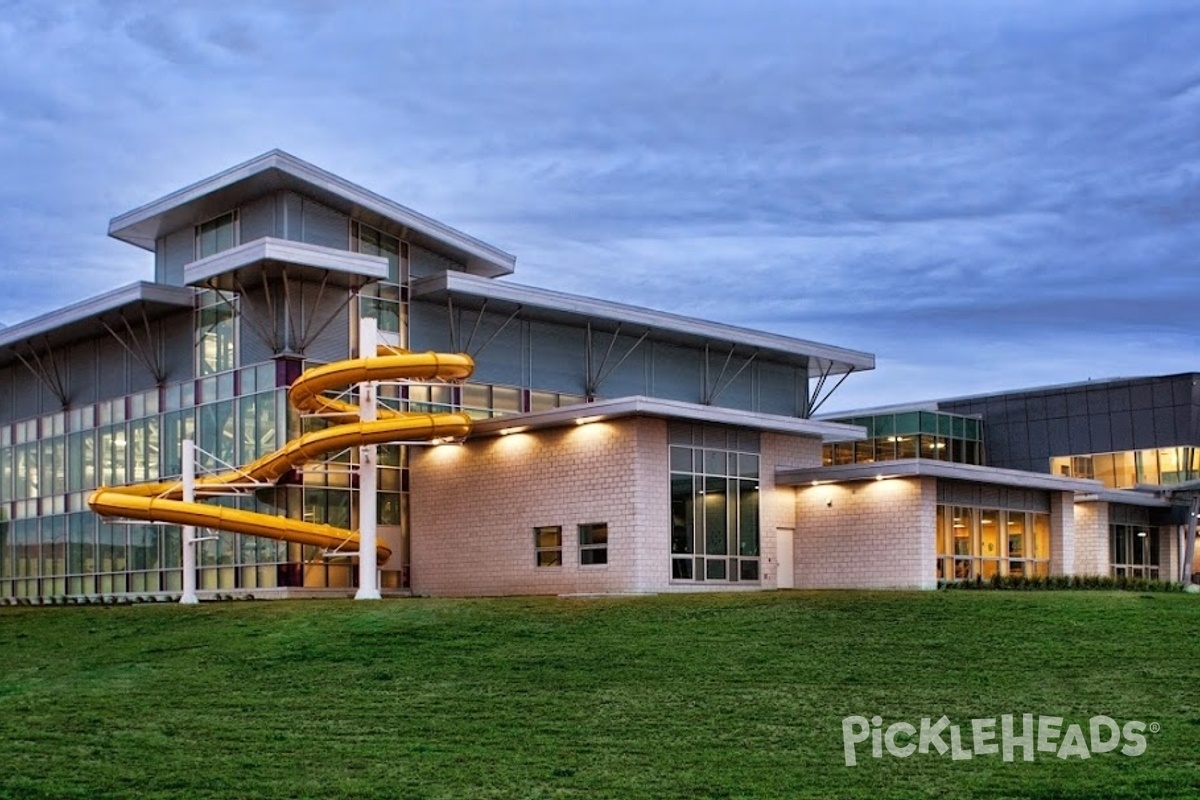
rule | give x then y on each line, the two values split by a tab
604	448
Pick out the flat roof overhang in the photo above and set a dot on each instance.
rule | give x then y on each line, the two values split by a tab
1128	497
467	291
248	265
638	406
277	170
136	302
922	467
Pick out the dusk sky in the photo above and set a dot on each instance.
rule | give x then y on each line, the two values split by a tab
985	195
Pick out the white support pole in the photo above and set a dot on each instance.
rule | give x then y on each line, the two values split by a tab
189	531
368	568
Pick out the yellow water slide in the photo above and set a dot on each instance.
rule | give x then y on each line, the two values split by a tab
162	502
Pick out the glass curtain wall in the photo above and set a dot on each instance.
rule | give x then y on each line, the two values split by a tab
1162	466
984	542
714	514
911	434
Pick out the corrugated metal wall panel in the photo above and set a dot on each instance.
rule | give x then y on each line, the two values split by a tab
255	348
334	342
632	376
112	376
325	227
428	328
556	358
503	359
779	389
179	248
26	395
176	332
9	377
422	262
257	219
678	373
731	391
292	224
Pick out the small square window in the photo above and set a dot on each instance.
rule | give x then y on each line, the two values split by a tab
547	545
593	543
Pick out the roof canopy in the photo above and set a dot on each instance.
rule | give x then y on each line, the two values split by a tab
278	170
87	319
466	291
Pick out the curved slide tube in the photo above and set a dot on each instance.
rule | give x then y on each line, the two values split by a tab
162	501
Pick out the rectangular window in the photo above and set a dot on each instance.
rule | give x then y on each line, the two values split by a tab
1134	551
547	545
219	233
979	543
714	514
593	543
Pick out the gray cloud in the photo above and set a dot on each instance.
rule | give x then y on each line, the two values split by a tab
931	181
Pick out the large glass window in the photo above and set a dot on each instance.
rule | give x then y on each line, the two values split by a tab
985	542
216	333
219	233
911	434
714	515
1134	550
1123	470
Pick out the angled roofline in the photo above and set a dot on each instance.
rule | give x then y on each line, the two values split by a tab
140	227
456	284
641	406
92	309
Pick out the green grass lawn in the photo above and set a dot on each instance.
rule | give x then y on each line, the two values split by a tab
655	697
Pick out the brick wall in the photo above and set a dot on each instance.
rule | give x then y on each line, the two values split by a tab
778	504
474	508
870	534
1091	539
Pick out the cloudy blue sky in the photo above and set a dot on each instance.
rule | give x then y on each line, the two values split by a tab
986	195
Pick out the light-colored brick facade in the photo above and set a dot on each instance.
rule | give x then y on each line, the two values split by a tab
475	507
1091	540
872	534
778	504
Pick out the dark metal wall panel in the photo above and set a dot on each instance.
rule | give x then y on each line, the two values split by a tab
179	248
1164	427
257	219
1097	418
1099	433
324	226
1122	430
963	493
